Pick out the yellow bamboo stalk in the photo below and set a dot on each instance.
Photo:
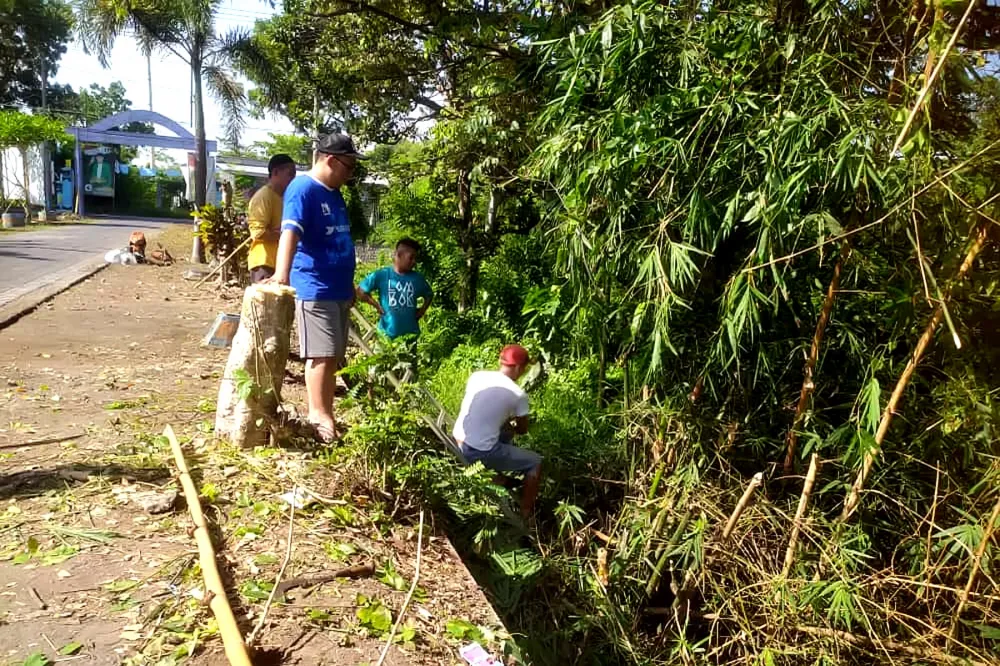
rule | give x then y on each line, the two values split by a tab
232	638
741	506
793	540
853	496
808	384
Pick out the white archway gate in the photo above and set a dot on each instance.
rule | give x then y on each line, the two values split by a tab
104	131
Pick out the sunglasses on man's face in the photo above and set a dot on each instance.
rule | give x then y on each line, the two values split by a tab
348	164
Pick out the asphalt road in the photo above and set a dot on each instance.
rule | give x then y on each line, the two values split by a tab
33	260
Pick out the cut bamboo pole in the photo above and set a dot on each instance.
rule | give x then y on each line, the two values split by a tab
854	495
232	639
741	506
977	559
793	540
791	442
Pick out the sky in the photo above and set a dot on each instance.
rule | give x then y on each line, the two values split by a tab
171	76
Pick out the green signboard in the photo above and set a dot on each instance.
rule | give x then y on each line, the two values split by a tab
99	170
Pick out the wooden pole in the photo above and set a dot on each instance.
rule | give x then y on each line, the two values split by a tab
853	496
232	639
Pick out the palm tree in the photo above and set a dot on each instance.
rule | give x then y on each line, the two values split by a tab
186	29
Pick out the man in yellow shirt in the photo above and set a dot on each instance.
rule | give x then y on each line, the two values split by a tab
264	217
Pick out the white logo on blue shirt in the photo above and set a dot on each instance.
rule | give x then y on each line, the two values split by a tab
325	207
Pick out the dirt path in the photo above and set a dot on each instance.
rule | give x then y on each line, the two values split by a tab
87	384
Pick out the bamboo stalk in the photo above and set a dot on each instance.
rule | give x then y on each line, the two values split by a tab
793	540
792	440
977	559
853	496
929	83
232	639
741	506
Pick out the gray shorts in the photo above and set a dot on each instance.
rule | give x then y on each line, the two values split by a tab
323	329
504	457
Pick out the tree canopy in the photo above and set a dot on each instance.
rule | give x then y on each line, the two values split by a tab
33	37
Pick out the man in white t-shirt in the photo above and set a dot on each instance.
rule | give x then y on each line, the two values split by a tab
495	409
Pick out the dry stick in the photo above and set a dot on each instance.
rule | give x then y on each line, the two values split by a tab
232	638
929	83
807	381
356	571
47	440
977	558
793	540
252	638
409	595
224	262
853	497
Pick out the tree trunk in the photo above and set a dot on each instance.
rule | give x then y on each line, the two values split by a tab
491	211
467	297
200	158
26	184
251	386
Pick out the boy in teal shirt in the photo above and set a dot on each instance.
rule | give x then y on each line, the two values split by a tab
399	287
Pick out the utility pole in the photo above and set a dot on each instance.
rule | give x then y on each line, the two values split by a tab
149	79
46	167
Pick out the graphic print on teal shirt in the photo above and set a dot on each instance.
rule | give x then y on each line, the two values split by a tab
323	268
397	294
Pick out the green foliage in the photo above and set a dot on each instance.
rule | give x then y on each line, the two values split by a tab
21	130
655	197
373	616
37	659
223	235
137	195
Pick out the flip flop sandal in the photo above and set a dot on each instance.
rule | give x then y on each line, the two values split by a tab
325	434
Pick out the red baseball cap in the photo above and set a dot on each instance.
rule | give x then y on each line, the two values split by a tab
514	355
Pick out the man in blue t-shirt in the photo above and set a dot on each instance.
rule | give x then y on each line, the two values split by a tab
399	287
316	257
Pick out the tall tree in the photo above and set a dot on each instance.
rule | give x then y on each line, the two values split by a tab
33	37
380	70
186	29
